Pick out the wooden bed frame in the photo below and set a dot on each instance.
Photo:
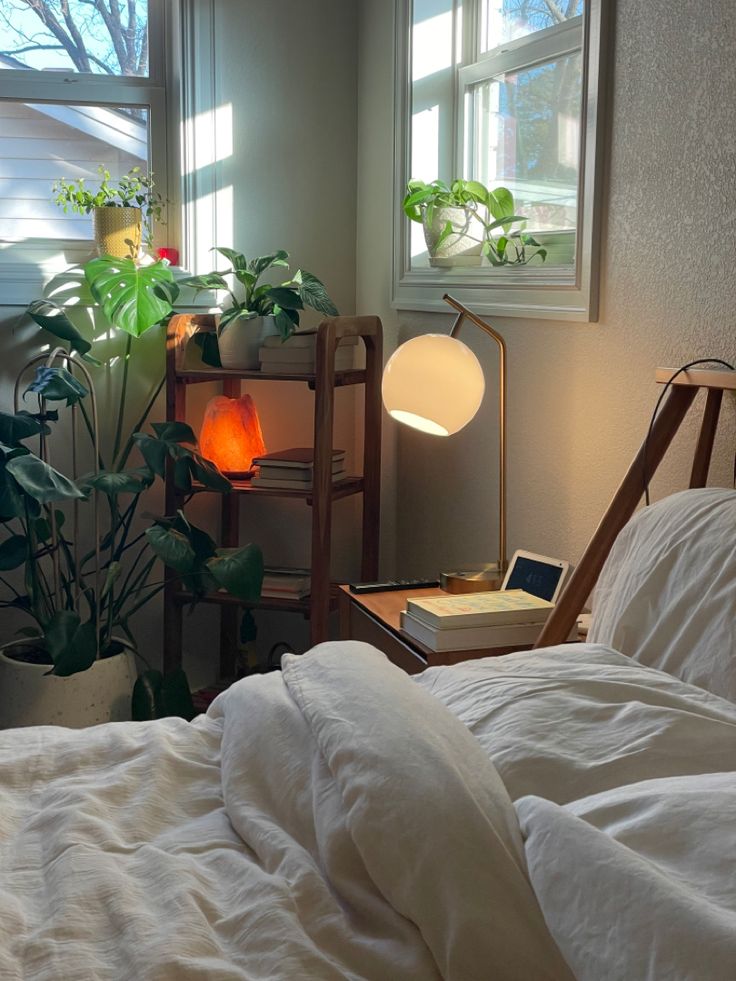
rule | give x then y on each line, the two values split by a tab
675	407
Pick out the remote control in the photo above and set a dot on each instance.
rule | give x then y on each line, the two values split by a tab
383	587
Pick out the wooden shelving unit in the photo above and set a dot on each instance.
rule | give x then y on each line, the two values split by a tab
319	498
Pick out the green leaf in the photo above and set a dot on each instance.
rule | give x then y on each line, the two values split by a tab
504	223
262	263
500	202
112	482
71	644
12	500
174	432
176	698
248	628
172	547
208	474
183	474
209	281
133	297
285	297
57	385
206	341
113	574
21	425
154	452
239	571
13	552
284	321
314	294
146	700
237	259
40	481
51	317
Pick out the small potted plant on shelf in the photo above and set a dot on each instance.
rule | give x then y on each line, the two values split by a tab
73	560
465	220
120	211
255	310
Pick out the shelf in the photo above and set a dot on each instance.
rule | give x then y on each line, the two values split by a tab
191	376
341	488
183	596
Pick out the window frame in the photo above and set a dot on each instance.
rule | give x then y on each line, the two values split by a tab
551	293
36	261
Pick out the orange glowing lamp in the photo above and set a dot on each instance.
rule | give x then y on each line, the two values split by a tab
231	435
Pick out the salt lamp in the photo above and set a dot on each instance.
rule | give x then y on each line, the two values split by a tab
231	434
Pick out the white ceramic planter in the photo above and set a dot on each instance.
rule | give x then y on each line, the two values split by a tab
31	697
242	339
463	246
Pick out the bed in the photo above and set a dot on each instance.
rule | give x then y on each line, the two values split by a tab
555	814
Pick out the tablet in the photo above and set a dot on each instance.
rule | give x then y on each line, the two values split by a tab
537	574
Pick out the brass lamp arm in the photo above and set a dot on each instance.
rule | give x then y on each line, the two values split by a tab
463	312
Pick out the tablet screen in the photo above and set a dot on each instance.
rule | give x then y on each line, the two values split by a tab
537	578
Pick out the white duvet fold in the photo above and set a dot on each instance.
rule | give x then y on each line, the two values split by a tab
331	822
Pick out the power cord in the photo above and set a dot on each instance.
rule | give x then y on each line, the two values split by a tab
686	367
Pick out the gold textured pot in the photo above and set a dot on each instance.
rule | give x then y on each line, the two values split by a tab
118	231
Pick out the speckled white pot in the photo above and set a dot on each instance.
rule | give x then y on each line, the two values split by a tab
30	697
241	340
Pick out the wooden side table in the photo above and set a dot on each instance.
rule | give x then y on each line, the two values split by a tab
374	618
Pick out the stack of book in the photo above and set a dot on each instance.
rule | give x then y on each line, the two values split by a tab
298	355
293	469
285	583
476	621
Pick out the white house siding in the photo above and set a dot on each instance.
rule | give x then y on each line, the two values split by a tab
36	150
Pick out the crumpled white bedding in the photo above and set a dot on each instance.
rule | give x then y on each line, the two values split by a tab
333	822
625	786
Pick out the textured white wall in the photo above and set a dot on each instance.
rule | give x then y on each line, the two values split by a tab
580	395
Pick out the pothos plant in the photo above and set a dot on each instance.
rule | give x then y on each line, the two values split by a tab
248	297
502	245
80	599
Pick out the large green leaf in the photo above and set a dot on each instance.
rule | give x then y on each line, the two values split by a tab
154	452
13	552
51	317
285	296
237	259
18	426
314	294
113	482
174	432
40	481
208	474
209	281
264	262
172	547
133	297
71	643
239	571
206	341
12	500
146	701
57	385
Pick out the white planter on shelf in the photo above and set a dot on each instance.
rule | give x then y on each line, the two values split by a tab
241	340
29	696
463	246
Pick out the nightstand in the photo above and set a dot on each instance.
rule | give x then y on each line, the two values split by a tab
374	618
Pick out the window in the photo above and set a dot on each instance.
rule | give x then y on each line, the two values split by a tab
82	84
505	93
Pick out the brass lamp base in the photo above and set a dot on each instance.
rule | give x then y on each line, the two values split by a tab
476	580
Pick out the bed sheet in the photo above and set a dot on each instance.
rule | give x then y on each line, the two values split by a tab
333	821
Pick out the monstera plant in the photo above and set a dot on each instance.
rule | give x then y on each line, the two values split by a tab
75	559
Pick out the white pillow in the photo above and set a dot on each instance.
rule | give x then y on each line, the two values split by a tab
667	593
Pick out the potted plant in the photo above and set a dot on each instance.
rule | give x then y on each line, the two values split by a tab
255	310
118	210
72	559
465	220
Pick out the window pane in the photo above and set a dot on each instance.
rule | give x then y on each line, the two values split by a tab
42	143
74	36
506	20
526	136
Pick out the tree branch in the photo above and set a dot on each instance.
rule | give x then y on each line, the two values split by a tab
113	30
74	34
46	16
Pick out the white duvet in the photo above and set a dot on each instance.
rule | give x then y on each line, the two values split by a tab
625	786
331	822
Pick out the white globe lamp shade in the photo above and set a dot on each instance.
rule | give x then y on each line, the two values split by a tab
434	383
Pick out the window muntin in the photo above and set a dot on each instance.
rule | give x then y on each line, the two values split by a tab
75	36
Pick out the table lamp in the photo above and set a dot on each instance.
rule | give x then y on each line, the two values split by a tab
435	383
